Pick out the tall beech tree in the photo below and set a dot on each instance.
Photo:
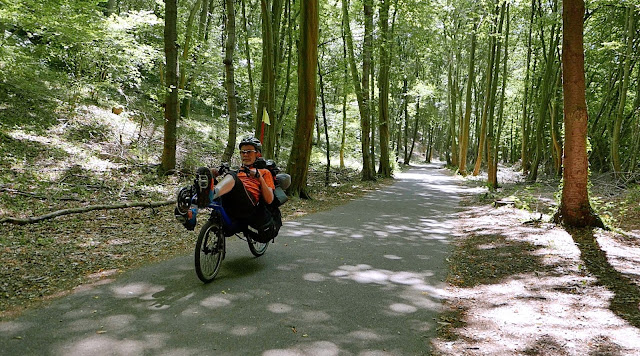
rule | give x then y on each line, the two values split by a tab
575	209
298	165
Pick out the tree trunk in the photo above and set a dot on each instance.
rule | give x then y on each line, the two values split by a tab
204	16
524	148
271	13
383	83
252	95
556	144
464	129
415	131
344	99
493	143
229	80
368	170
298	164
361	94
186	101
615	136
482	136
546	88
575	209
171	110
326	128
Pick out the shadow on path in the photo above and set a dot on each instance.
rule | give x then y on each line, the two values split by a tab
626	300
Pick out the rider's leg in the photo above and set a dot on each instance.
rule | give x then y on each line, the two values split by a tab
224	186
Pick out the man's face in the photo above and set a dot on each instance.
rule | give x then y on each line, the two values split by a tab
248	154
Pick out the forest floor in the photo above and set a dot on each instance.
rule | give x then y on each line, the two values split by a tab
521	285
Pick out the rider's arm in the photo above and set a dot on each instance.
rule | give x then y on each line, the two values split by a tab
267	192
266	185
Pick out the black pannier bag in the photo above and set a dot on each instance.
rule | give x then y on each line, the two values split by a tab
265	228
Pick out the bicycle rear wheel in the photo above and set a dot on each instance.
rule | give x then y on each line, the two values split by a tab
209	251
257	248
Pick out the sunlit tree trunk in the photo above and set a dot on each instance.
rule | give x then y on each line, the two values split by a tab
298	164
575	209
171	110
229	80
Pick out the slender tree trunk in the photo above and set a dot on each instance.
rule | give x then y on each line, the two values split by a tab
171	110
230	81
285	94
453	97
617	125
575	209
464	129
248	55
372	115
556	144
187	42
298	164
361	94
368	172
383	83
494	135
344	99
482	136
202	24
326	128
524	152
415	131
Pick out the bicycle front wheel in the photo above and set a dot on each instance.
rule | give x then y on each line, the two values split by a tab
257	248
209	251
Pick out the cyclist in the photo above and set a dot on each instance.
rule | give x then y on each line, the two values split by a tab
243	194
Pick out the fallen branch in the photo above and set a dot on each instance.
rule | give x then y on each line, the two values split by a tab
31	220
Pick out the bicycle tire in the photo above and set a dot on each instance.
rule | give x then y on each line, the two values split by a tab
257	248
209	251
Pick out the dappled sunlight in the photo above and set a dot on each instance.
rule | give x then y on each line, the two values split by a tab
324	348
529	285
78	155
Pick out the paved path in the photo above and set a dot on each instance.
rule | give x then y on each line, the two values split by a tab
362	279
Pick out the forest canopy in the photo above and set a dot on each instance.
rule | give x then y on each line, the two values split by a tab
471	83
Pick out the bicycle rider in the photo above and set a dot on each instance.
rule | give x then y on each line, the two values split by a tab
240	192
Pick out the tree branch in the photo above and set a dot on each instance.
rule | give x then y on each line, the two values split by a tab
31	220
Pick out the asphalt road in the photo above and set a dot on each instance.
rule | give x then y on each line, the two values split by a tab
365	278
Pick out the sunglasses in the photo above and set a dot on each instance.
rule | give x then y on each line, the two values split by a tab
242	152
